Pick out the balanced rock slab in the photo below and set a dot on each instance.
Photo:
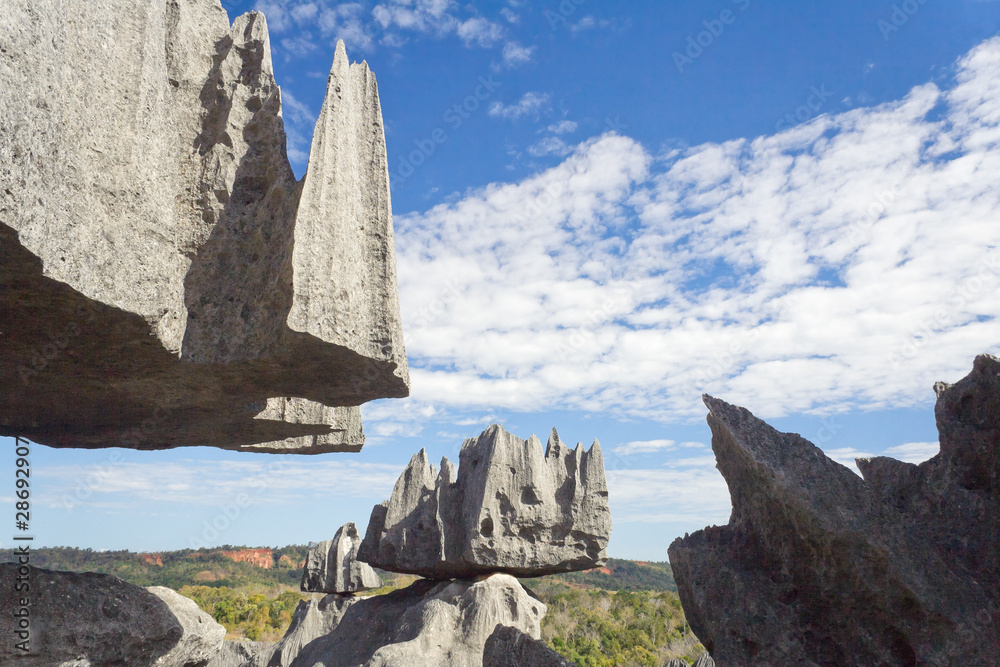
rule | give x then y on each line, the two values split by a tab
818	566
89	619
511	508
164	278
445	624
332	566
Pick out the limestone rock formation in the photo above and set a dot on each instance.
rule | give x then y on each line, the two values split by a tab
86	619
704	660
509	647
201	638
312	619
332	565
510	509
818	566
238	653
164	279
675	662
429	623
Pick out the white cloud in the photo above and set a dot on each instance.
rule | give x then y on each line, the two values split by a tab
914	452
480	31
846	456
531	103
191	482
510	16
644	447
562	127
515	54
550	146
671	494
846	263
361	25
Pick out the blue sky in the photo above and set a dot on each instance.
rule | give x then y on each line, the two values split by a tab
788	205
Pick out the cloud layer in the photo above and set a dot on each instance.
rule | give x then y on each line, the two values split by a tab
846	263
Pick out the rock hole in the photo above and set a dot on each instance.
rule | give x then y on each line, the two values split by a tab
529	497
486	527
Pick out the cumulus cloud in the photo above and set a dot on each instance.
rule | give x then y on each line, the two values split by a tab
479	31
846	263
644	447
562	127
191	482
529	104
362	25
515	54
914	452
550	146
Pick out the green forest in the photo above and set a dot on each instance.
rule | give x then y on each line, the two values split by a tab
626	614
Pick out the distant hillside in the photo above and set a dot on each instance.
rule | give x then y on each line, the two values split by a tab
619	575
228	566
624	614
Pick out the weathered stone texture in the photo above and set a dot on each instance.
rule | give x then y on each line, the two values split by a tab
818	566
509	647
429	623
164	279
312	619
202	637
511	509
86	619
332	565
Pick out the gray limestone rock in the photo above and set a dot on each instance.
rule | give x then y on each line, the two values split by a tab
202	637
85	619
312	619
818	566
509	647
445	624
332	565
675	662
238	653
511	509
160	257
704	660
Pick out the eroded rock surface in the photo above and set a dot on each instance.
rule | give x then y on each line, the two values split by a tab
87	619
429	623
201	636
312	619
238	653
818	566
332	566
511	508
159	256
509	647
